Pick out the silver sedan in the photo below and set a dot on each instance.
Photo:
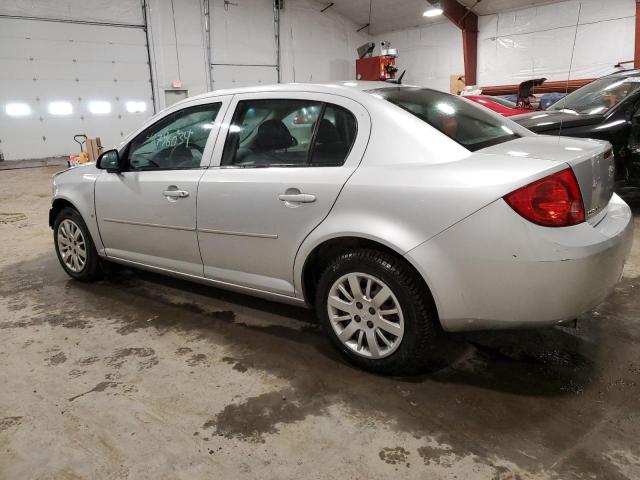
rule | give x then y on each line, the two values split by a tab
395	212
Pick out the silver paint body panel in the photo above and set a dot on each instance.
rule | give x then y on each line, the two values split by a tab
404	185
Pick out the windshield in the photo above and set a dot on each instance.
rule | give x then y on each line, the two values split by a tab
502	101
463	121
598	96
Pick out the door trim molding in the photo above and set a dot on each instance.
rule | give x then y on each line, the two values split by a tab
238	234
189	229
143	224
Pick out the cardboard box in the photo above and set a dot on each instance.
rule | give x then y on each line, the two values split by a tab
94	148
457	84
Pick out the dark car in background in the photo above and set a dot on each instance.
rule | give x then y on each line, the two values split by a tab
608	109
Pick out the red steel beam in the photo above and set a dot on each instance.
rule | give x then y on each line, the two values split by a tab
467	21
636	57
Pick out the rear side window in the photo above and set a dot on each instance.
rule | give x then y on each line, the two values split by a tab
334	137
459	119
288	133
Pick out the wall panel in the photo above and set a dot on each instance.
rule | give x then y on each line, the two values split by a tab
538	41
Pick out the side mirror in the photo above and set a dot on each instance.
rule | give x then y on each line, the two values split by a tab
109	161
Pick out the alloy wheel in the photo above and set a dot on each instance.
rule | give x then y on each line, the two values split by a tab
365	315
71	245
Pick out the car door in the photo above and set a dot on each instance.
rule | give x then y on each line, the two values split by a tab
146	213
276	176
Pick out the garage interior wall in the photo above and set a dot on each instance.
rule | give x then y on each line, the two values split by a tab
537	42
521	44
430	54
314	46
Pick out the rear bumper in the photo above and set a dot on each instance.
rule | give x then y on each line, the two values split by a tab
496	270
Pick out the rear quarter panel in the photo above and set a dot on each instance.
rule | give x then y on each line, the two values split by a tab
413	183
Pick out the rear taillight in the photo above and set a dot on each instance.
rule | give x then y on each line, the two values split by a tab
553	201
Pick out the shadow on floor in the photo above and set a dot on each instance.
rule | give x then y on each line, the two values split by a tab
551	361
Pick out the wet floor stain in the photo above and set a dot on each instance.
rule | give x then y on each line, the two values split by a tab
88	360
75	373
8	422
6	218
434	454
57	359
197	359
559	385
100	387
237	365
394	456
183	351
258	416
145	357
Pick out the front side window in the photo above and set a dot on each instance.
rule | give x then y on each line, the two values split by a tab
175	142
468	124
288	133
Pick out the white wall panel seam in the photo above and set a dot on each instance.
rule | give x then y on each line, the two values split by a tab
559	28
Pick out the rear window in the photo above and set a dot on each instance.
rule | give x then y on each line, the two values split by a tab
469	125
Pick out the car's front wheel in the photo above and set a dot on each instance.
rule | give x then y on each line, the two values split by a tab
377	312
74	246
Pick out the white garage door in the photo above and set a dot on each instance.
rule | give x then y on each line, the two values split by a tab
243	46
59	79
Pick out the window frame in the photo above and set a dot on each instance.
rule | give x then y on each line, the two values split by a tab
222	102
356	110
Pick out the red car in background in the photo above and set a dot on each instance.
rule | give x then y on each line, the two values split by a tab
500	105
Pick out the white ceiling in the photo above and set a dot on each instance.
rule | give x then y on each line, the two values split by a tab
390	15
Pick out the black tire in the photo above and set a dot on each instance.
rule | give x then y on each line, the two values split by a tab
421	326
92	269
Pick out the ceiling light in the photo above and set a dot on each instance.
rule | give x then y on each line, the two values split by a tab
17	109
98	107
135	107
60	108
433	11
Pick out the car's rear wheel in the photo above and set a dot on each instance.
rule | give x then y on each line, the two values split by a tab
377	312
74	246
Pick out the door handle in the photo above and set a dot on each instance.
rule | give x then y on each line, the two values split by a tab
297	197
175	193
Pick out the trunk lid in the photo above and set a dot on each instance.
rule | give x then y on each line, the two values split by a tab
551	120
591	161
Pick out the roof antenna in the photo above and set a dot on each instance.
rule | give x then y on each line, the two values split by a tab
566	91
398	80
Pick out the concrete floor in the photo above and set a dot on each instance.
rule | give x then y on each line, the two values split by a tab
142	376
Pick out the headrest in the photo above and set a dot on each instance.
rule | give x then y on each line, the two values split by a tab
273	135
327	132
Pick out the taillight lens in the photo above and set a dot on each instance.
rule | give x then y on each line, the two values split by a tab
554	201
